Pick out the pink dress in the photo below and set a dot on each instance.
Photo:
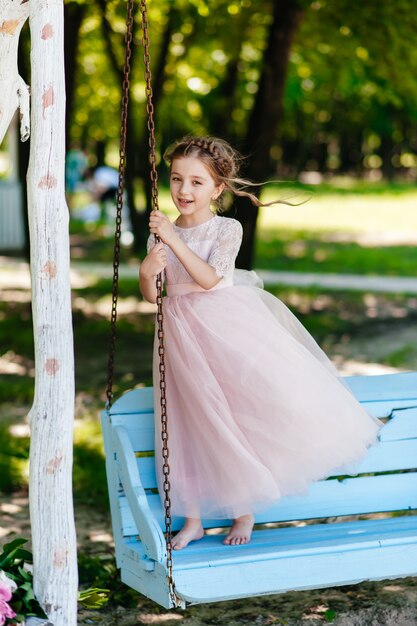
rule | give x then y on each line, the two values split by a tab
256	410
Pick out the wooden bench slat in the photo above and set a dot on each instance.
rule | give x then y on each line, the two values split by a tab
402	424
281	542
135	401
286	559
318	538
387	456
329	498
396	451
386	407
384	387
140	427
306	571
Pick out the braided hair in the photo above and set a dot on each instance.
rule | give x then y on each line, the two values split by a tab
221	160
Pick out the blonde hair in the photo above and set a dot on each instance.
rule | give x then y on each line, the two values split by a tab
221	160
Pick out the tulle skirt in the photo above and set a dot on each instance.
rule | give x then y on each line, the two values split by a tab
256	410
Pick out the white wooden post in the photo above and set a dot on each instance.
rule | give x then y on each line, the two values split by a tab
51	416
52	413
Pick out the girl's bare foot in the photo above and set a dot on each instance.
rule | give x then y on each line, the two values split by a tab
241	531
191	531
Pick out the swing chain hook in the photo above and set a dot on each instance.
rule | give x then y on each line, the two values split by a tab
160	316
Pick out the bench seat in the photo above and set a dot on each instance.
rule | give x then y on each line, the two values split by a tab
302	542
296	558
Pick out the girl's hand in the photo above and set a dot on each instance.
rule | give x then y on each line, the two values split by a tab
160	225
154	262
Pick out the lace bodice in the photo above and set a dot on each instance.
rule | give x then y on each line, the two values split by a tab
216	241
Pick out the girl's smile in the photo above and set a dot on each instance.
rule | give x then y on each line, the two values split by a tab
192	190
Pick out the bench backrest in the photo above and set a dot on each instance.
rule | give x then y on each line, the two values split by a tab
385	480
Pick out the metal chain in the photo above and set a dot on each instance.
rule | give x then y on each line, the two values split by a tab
119	204
160	315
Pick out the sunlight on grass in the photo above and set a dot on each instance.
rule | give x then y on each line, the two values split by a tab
349	212
89	477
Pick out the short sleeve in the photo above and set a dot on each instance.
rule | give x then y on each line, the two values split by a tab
226	247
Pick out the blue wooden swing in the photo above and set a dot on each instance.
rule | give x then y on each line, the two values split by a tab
286	551
278	559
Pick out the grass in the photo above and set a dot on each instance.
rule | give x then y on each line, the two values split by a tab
308	251
398	357
345	205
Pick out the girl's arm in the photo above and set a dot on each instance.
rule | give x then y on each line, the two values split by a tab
151	266
201	272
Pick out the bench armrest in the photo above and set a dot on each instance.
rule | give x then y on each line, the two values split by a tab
150	531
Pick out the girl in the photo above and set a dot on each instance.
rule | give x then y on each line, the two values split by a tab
256	409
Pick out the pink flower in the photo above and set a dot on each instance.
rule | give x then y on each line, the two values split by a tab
5	591
8	583
5	610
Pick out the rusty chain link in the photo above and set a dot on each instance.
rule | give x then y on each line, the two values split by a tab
116	260
119	203
159	316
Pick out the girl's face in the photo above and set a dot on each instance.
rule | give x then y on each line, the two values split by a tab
193	188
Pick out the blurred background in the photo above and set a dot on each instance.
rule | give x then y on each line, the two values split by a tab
310	92
320	97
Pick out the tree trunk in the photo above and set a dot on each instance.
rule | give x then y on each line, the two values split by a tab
52	413
266	115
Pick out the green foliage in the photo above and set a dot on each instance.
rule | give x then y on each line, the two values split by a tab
400	357
329	615
102	572
349	83
16	328
14	562
89	474
350	98
18	388
93	598
14	453
301	251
